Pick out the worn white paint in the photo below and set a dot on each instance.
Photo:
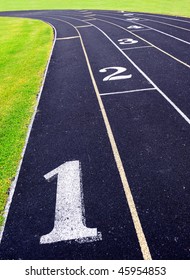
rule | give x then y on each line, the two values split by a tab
69	210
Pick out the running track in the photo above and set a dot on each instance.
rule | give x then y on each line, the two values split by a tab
113	143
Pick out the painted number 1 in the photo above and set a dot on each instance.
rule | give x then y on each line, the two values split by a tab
69	210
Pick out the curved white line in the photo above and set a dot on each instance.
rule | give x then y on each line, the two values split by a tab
159	31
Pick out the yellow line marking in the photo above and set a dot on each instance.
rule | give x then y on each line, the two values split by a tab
68	38
137	224
83	26
175	58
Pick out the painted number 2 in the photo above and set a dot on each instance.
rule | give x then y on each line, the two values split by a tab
69	210
116	75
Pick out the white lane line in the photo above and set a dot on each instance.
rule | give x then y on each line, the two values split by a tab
82	26
13	185
127	91
144	29
136	14
164	33
161	50
168	24
64	16
82	20
125	49
67	38
132	32
129	197
161	32
89	19
147	78
164	23
137	224
164	17
87	12
91	15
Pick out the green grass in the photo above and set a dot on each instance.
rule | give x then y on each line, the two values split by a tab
25	46
173	7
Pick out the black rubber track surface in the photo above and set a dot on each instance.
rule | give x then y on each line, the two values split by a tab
148	112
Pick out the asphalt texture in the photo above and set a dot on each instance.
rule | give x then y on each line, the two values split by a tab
147	107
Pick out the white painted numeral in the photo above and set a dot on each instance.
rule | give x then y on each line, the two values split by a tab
133	19
128	15
115	75
134	27
127	41
69	210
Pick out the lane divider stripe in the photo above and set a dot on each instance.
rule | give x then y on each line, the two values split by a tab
127	91
67	38
178	60
125	49
137	224
89	19
151	28
146	77
164	23
140	234
169	18
84	26
89	15
162	32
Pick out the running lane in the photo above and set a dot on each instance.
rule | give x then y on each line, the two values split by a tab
69	133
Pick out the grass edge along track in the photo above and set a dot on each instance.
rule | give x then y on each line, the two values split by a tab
25	49
170	7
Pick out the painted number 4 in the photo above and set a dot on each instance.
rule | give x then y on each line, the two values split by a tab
69	210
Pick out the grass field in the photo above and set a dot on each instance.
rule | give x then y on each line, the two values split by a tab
21	72
173	7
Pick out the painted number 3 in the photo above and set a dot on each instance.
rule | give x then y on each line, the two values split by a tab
69	221
116	75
